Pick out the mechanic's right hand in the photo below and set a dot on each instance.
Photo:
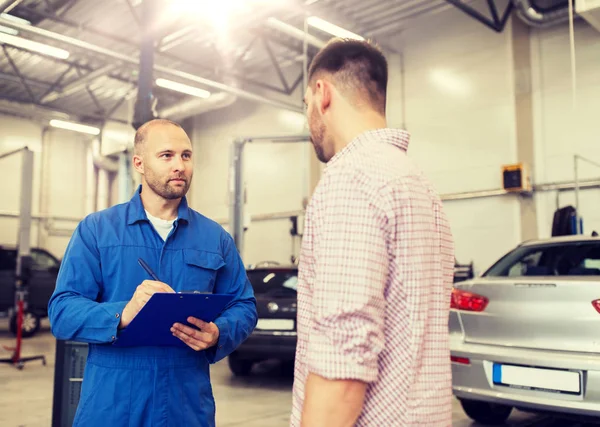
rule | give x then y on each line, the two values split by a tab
141	296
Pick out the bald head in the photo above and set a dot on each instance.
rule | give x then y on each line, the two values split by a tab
141	136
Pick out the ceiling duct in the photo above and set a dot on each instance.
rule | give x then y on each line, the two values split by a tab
532	14
30	111
196	106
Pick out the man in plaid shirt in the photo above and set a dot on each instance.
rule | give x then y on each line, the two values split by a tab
377	260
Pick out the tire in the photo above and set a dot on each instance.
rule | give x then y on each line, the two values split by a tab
239	367
486	413
31	324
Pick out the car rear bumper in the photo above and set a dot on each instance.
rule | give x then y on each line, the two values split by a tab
268	345
474	381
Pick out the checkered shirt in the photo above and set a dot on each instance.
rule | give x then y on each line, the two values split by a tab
375	278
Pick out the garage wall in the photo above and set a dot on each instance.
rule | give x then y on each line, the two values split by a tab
459	108
58	186
276	174
562	129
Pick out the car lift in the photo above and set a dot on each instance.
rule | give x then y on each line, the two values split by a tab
23	256
236	182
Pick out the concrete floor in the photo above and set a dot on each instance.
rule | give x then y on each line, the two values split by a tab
262	400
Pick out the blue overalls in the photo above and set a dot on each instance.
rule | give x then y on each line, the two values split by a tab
146	386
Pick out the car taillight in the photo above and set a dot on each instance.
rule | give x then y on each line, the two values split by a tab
467	301
460	360
596	305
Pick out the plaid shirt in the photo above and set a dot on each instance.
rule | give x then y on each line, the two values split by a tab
375	278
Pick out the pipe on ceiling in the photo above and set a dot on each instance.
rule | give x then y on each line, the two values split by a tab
7	5
532	16
294	32
162	69
196	106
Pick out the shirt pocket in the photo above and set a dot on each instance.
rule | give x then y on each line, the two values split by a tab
201	269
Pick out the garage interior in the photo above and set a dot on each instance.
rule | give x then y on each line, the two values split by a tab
501	98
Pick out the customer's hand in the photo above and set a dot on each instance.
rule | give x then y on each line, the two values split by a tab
141	296
206	336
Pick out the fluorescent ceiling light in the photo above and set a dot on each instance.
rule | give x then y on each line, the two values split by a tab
15	18
332	29
77	127
8	30
34	46
180	87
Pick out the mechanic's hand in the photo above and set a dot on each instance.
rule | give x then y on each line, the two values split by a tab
141	296
206	336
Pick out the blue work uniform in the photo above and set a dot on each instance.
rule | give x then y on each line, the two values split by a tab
146	386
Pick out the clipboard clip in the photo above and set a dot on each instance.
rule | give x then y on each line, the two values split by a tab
193	292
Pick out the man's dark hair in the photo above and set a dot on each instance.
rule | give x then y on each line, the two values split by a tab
356	66
142	133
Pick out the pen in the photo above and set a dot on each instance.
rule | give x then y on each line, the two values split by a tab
148	269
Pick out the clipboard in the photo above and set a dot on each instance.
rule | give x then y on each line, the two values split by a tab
152	325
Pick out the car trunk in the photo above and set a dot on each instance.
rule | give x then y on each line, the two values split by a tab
554	313
275	294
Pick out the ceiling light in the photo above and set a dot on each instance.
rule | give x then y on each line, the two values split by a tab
34	46
76	127
180	87
15	18
8	30
332	29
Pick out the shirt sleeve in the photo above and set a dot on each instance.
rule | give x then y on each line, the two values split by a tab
240	317
73	310
351	270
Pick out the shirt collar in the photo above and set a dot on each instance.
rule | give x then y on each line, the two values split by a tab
396	137
136	211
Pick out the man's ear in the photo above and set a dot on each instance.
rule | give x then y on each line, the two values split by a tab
138	163
324	91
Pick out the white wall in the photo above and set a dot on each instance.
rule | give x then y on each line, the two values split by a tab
562	128
58	184
276	174
460	112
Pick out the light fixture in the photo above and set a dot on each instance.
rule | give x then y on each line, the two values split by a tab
332	29
8	30
33	46
76	127
14	18
180	87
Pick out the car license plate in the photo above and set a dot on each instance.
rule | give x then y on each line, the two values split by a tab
548	380
275	324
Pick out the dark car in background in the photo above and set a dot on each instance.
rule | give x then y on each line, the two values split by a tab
275	334
44	271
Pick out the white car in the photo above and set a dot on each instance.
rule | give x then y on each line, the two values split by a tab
526	334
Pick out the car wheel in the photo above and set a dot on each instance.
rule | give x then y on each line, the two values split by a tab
486	413
239	367
31	324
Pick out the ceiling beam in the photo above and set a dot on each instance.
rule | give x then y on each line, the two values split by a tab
128	59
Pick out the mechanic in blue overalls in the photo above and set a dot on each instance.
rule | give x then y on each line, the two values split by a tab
101	287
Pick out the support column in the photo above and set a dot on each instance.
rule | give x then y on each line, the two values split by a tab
520	38
145	98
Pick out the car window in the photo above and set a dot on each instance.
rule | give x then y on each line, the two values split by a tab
560	259
529	265
276	282
42	260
